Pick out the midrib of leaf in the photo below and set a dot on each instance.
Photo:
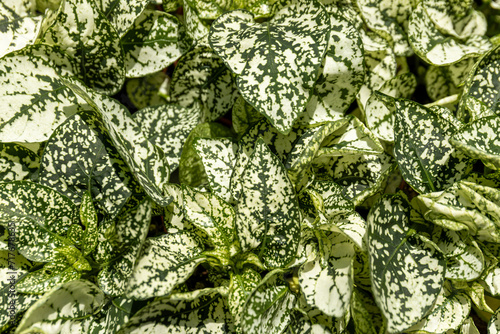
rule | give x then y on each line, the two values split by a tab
410	233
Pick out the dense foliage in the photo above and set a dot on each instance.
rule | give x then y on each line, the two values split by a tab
250	166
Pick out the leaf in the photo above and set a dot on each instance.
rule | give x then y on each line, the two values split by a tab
33	107
407	273
443	81
267	214
218	157
241	286
88	217
494	323
428	162
145	91
76	160
110	318
244	116
146	161
151	44
437	48
340	76
17	30
480	140
207	314
90	47
121	13
200	75
327	282
17	163
41	217
120	256
62	308
367	316
269	307
164	262
195	27
279	59
167	126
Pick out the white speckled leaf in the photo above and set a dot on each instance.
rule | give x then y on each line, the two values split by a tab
327	282
494	323
267	214
32	108
367	316
41	215
277	62
212	9
195	27
120	255
110	318
90	41
443	81
407	273
17	30
244	115
167	126
122	13
207	314
340	76
17	162
426	159
60	310
151	44
165	262
380	118
437	48
218	156
200	75
241	286
269	307
146	161
145	91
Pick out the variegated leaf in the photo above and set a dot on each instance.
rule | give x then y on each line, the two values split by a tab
367	316
41	217
89	219
276	63
428	162
167	126
340	76
110	318
146	161
494	323
480	97
17	162
241	286
151	44
207	314
75	160
121	13
210	9
17	29
436	48
33	107
164	262
327	282
200	75
268	309
145	91
407	273
443	81
61	309
218	157
195	27
84	34
480	140
267	214
380	118
244	116
120	255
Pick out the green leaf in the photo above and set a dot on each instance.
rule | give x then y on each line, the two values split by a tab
200	75
218	157
18	28
241	286
146	161
494	323
33	99
277	62
76	160
121	13
244	116
164	262
367	316
267	214
195	27
437	48
207	314
110	318
62	308
41	217
88	217
443	81
120	256
428	162
151	44
340	76
327	282
145	91
407	273
168	126
17	162
91	46
480	140
269	307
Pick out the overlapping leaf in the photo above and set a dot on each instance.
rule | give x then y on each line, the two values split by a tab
277	62
241	286
17	162
367	316
145	91
121	13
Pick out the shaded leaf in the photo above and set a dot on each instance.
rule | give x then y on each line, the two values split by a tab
17	162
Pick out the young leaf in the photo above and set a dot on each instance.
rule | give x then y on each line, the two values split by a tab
17	162
151	44
240	287
268	215
407	273
277	62
165	262
88	217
